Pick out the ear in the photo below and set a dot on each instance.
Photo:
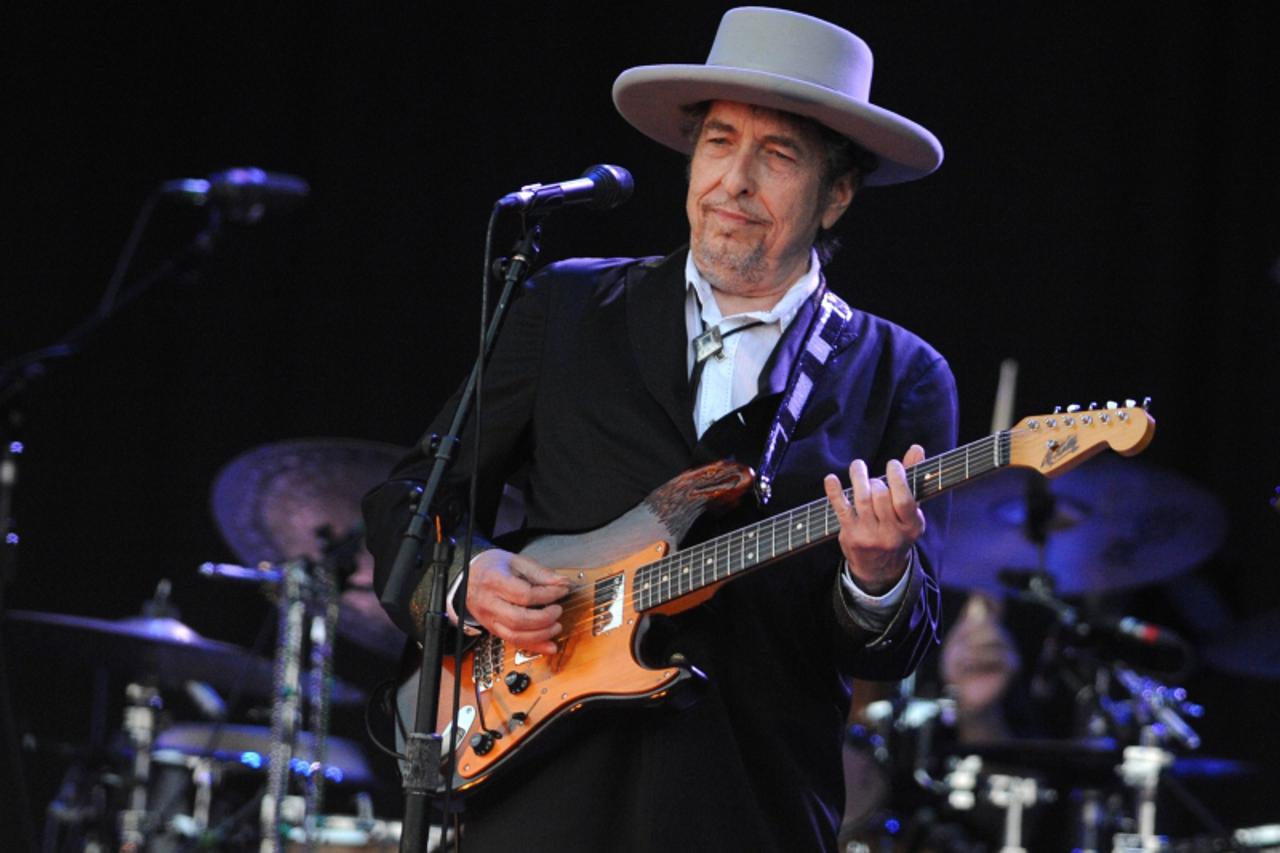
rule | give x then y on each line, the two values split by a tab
839	198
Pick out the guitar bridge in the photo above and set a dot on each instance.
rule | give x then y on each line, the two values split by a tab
606	610
487	661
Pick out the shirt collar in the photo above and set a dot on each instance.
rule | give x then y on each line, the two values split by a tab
782	313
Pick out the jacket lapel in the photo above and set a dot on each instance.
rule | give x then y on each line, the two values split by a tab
655	325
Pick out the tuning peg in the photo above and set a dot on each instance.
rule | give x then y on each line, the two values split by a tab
1146	403
1093	405
1073	408
1057	410
1112	404
1130	403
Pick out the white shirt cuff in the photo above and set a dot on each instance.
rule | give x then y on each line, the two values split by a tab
469	627
878	609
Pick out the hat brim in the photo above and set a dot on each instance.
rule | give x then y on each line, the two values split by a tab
653	98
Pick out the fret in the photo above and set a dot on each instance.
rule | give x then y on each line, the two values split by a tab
642	590
695	560
814	516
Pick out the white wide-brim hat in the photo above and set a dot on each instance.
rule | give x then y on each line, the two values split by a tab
785	61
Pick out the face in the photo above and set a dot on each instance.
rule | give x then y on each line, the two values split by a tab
756	199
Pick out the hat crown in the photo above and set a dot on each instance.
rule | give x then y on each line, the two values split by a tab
790	44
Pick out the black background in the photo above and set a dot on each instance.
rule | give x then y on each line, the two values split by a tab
1107	215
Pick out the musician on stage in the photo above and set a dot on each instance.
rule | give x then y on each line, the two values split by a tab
613	376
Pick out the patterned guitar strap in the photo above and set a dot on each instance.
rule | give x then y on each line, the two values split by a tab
826	329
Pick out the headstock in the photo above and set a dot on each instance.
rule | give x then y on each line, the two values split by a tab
1055	443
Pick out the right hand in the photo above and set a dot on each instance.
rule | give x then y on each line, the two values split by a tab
514	598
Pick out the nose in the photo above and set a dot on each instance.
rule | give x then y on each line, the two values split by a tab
739	177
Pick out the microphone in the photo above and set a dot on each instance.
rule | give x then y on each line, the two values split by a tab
1137	631
1037	587
601	187
243	193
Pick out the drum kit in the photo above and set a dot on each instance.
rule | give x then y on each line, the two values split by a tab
918	780
290	512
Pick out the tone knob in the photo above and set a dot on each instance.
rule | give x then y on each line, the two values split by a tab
482	743
517	682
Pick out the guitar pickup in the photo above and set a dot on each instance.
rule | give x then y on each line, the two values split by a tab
606	609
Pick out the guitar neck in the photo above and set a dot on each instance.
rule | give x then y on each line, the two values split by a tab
719	559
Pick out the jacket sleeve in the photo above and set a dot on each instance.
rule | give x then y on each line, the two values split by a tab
926	414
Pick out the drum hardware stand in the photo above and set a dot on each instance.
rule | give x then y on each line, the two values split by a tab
204	778
1159	711
286	710
303	586
1011	794
324	624
140	725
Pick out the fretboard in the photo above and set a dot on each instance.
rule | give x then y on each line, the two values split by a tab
719	559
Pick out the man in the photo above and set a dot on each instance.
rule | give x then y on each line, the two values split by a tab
613	376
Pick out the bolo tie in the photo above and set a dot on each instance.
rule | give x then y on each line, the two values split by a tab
708	345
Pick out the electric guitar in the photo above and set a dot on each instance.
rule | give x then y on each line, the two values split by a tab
631	567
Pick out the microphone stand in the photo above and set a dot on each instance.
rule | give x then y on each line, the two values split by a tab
422	773
16	376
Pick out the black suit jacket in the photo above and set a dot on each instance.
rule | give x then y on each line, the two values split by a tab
587	408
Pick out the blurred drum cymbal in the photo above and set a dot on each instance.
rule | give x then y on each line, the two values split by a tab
1116	524
270	504
153	647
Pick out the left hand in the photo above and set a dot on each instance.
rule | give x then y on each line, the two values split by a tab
878	528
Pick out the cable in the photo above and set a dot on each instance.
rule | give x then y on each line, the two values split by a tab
380	691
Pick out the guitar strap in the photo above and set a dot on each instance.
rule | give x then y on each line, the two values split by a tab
833	315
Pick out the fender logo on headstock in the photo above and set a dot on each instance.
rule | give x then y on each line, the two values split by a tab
1058	450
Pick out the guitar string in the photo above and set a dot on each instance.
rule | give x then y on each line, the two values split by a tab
579	616
948	465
